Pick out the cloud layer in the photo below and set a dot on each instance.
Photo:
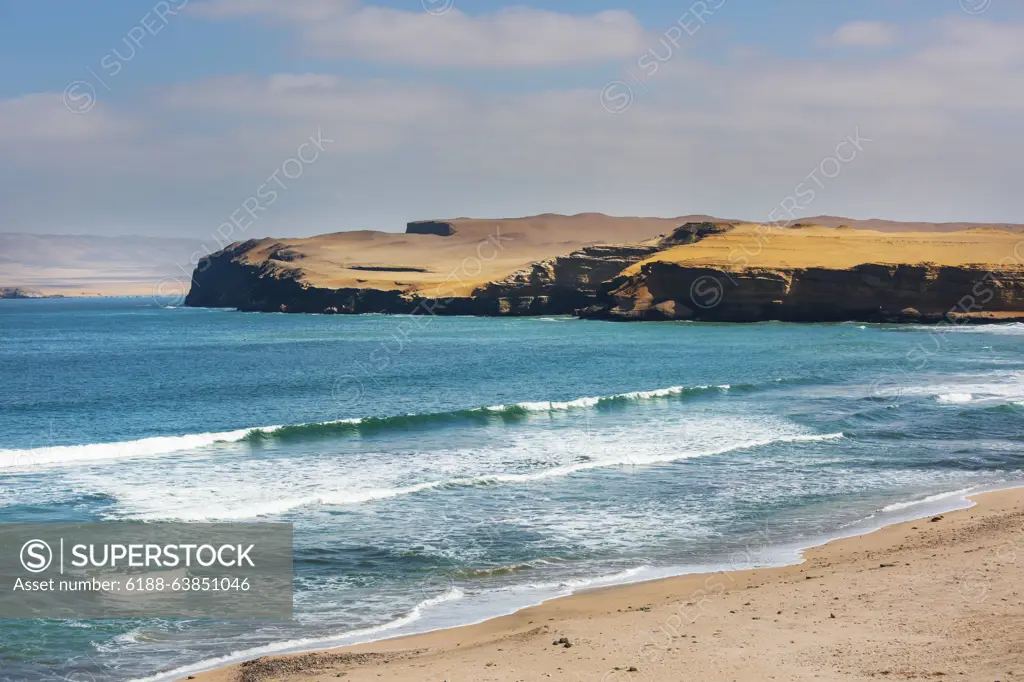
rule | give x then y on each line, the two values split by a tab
865	34
731	138
444	35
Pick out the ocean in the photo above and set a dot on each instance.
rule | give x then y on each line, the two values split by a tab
441	471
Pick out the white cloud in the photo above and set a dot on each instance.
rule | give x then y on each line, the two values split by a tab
511	37
44	117
865	34
728	138
290	10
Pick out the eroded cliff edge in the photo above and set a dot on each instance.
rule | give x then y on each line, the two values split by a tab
867	293
713	271
817	274
541	265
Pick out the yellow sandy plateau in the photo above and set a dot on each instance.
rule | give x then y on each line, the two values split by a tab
775	247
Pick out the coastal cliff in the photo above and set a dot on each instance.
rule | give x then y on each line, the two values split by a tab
695	270
564	284
867	292
458	267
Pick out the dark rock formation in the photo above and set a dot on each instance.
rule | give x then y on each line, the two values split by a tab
387	268
228	279
438	227
562	285
285	255
869	293
590	282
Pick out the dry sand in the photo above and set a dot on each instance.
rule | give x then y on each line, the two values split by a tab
772	247
923	600
882	225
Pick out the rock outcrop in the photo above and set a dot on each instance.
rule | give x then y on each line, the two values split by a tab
707	271
562	285
868	292
277	282
435	227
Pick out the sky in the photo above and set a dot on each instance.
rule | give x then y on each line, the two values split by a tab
299	117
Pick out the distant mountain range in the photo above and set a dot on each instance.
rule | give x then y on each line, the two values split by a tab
83	265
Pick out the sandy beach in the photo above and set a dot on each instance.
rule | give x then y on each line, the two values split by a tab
937	598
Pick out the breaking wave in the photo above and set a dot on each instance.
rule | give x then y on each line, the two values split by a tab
165	445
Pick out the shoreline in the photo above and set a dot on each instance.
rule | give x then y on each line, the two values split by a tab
954	318
445	645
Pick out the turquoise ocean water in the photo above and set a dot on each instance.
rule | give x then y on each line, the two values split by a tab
440	471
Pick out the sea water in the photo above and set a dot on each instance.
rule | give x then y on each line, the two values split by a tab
440	471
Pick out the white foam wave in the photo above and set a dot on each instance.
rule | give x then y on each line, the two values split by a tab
954	398
897	506
1010	328
371	634
165	445
305	643
576	584
550	406
275	507
260	508
157	445
587	402
131	637
987	387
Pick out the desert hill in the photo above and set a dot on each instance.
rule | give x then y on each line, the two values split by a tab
416	260
752	273
621	268
880	225
824	247
462	253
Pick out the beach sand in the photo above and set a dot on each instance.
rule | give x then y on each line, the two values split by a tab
927	599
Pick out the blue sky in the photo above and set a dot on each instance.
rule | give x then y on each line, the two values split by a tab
450	107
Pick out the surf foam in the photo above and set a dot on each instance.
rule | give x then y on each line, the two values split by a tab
165	445
217	511
897	506
414	615
954	398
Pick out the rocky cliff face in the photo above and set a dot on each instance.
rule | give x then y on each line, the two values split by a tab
268	276
435	227
562	285
227	280
870	293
